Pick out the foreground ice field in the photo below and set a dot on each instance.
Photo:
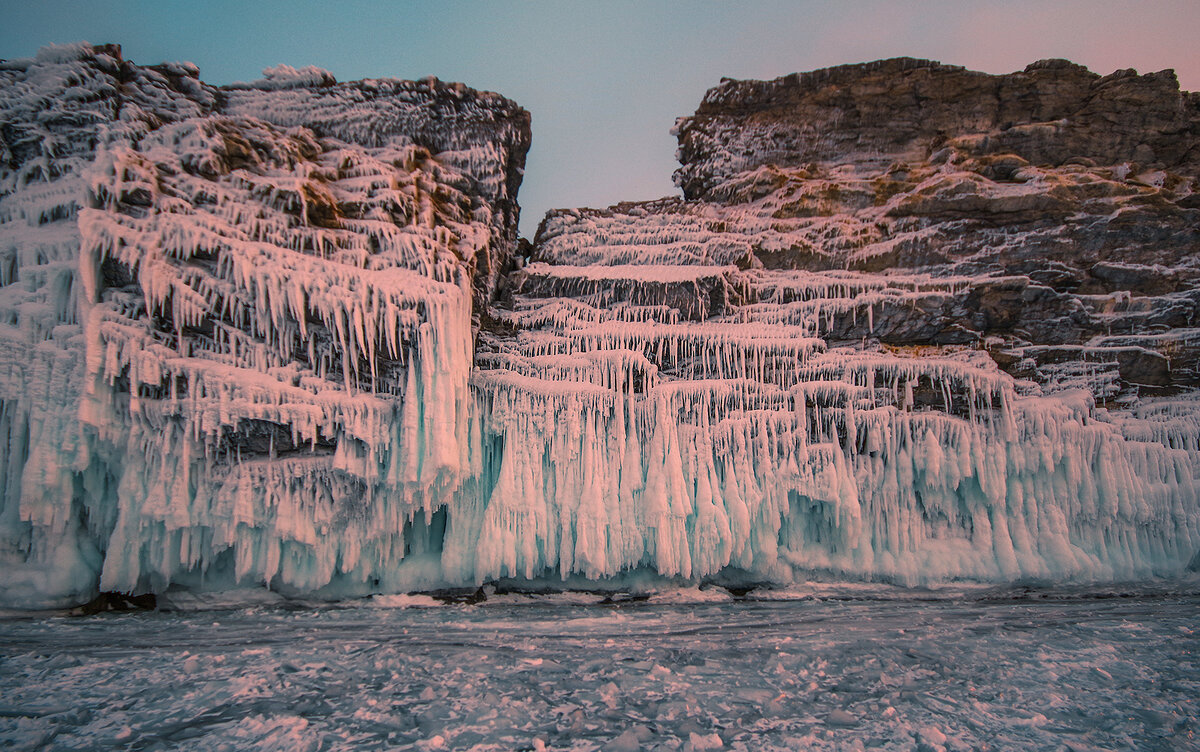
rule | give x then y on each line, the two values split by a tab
815	668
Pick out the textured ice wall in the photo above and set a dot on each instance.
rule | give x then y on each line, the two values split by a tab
238	321
629	439
914	323
260	336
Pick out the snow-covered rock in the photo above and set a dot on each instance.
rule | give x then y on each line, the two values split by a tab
911	323
237	322
903	327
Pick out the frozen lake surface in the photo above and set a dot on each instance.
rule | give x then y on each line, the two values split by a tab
829	668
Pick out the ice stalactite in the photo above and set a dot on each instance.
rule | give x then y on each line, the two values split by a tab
244	315
810	459
821	417
257	329
271	335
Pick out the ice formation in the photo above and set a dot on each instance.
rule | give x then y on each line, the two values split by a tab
239	321
264	336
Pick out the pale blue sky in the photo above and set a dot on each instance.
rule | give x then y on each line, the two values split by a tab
605	81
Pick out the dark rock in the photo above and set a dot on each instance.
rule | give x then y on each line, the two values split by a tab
460	596
113	601
1146	280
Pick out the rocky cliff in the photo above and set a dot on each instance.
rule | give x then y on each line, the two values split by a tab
216	304
908	323
1069	198
1053	113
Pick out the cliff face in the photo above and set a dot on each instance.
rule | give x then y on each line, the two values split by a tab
216	303
911	322
1057	236
1052	113
1068	199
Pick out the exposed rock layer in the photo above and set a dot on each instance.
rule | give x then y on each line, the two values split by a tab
1051	113
910	323
1069	197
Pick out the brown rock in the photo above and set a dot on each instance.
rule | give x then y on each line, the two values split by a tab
875	113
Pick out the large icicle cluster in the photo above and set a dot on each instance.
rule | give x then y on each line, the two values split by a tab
239	321
910	323
862	349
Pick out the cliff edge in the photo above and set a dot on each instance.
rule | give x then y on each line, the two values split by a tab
1051	113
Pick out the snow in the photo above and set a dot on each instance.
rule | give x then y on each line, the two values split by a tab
635	272
873	668
287	77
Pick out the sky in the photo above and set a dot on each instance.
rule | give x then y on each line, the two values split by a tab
605	81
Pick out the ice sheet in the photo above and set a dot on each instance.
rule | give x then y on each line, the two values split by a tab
847	668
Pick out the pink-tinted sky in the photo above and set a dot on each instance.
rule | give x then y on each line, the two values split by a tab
606	80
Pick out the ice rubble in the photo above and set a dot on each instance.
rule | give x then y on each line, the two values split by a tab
248	343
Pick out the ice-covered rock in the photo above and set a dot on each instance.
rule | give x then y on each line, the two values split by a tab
911	323
1052	113
237	322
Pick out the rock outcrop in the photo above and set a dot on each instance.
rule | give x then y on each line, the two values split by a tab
1053	113
909	322
218	302
1023	187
